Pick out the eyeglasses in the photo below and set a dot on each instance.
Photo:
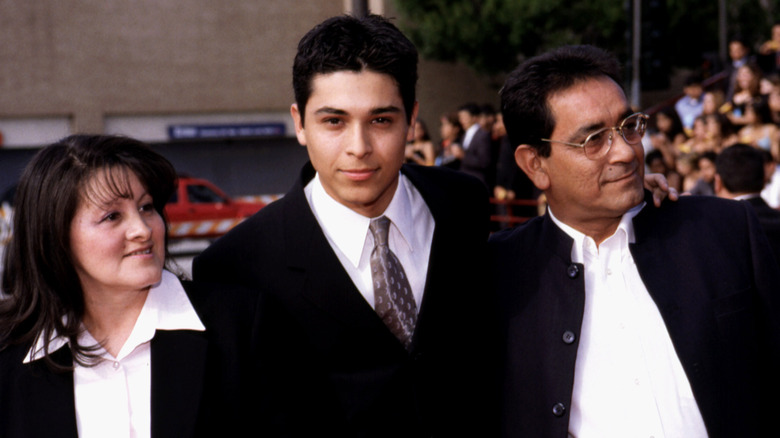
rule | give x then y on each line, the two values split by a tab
598	143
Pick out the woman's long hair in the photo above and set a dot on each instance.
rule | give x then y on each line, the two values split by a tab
42	293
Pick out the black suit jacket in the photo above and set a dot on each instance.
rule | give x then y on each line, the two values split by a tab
480	158
769	218
371	386
707	266
203	383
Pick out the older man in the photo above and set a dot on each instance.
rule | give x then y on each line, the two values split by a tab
622	319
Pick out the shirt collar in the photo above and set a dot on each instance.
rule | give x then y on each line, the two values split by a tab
747	196
167	307
583	243
349	230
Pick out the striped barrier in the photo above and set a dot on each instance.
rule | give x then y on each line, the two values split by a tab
213	228
201	229
6	222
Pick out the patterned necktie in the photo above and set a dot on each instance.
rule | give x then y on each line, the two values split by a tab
393	298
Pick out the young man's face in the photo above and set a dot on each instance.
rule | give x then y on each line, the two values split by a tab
356	130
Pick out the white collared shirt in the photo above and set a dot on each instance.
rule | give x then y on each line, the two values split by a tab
113	398
410	235
628	380
469	135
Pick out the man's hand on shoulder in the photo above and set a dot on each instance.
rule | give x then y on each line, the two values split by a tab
656	183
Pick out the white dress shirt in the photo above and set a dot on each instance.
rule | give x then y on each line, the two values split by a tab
113	398
628	380
469	135
410	235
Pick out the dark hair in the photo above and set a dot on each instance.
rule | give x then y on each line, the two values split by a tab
426	135
487	109
760	107
727	128
526	92
693	79
653	155
710	156
670	113
471	107
354	44
43	291
741	169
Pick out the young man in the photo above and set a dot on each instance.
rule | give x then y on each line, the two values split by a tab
407	362
621	319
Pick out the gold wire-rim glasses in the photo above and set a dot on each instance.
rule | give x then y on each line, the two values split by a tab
632	129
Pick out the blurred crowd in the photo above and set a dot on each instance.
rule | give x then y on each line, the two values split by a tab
685	136
473	140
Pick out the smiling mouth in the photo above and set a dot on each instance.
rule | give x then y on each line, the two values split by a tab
140	252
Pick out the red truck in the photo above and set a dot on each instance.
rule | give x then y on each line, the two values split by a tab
199	209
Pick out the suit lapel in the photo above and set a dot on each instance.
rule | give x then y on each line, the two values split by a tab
322	280
50	406
178	375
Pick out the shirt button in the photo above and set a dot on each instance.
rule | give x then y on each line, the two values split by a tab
573	270
609	271
568	337
116	365
559	409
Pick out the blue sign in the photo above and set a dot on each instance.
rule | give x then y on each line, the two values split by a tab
185	132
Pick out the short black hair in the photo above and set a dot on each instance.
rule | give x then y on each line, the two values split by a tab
526	92
355	44
653	155
741	168
471	107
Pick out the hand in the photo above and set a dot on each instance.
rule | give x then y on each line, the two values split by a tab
656	183
499	193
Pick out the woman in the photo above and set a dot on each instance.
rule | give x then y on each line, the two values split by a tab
451	138
747	89
96	338
421	150
759	131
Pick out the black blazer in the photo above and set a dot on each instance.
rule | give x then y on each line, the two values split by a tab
481	157
769	218
202	382
707	266
372	385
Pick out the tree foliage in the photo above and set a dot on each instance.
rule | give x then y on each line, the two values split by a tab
492	36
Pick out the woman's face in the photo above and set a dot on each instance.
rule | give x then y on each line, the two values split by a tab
419	131
713	127
708	104
699	128
447	128
663	122
745	77
117	244
774	99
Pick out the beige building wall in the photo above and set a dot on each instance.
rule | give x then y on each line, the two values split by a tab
90	65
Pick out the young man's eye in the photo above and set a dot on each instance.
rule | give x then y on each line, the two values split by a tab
332	121
149	207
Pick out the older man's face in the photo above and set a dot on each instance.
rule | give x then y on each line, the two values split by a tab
582	191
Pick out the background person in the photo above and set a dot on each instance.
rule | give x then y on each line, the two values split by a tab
420	150
741	175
